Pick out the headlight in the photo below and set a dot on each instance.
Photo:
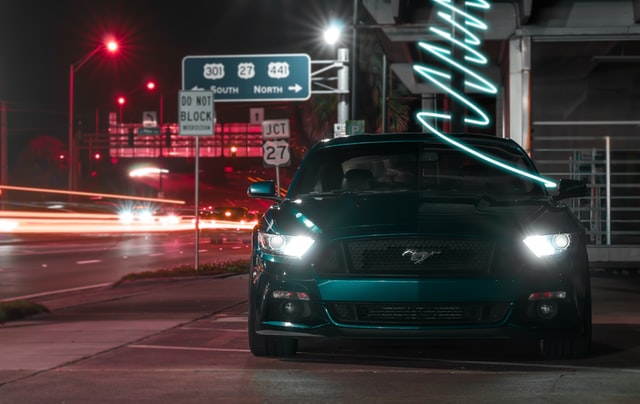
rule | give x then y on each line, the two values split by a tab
146	216
291	246
126	216
549	244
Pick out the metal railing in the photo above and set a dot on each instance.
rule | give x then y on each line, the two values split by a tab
230	140
610	166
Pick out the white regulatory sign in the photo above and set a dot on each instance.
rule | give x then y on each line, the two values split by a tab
275	129
149	119
196	113
276	152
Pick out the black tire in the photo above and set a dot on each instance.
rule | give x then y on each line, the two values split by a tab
269	345
570	347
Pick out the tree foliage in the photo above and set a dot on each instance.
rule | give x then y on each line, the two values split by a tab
39	163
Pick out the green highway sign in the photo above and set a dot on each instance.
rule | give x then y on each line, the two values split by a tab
149	131
281	77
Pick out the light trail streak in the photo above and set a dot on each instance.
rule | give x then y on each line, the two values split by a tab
227	225
463	22
22	222
36	222
91	194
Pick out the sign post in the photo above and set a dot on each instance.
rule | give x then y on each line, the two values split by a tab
196	114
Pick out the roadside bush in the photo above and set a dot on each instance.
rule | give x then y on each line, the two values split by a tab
207	269
18	309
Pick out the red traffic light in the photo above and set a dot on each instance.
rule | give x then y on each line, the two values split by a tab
121	100
151	85
112	46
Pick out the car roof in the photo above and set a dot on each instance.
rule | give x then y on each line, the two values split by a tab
368	138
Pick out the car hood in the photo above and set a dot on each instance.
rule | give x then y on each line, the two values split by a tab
356	215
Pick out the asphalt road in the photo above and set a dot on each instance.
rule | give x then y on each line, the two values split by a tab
34	264
185	341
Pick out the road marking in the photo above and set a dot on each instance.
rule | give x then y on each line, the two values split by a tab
88	262
484	363
53	292
213	329
184	348
156	254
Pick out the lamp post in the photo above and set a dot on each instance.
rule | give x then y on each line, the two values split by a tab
151	86
121	100
110	46
332	36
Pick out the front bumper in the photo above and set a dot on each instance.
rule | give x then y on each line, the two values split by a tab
414	307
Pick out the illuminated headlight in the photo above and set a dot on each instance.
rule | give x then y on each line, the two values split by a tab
126	216
292	246
146	216
549	244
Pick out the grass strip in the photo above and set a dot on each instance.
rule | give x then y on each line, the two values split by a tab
18	309
211	268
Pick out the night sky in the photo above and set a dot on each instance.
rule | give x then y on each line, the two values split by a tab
40	39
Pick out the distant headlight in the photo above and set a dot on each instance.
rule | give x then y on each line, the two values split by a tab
145	216
291	246
126	216
549	244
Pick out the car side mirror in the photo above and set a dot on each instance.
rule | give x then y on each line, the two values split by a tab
571	189
264	190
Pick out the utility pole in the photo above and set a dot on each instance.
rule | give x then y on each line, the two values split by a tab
3	143
4	165
343	85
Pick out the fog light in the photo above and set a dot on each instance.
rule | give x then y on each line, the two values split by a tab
547	309
290	309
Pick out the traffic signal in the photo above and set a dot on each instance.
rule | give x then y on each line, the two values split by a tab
167	137
130	138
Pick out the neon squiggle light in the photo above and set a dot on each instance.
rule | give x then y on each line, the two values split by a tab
467	24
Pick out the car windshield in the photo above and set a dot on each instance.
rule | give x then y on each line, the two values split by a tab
428	168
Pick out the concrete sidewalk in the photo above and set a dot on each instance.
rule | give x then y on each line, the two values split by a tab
83	324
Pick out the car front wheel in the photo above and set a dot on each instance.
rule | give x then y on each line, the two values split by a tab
269	345
570	347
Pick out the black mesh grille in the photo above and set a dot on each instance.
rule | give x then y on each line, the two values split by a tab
414	257
417	314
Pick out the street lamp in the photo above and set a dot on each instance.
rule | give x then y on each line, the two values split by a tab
110	46
121	100
151	86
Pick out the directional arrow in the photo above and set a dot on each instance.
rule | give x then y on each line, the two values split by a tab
296	88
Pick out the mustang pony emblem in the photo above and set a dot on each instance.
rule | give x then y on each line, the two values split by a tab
419	256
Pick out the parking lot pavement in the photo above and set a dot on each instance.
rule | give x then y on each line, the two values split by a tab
83	324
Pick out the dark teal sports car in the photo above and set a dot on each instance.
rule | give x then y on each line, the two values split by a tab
419	236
